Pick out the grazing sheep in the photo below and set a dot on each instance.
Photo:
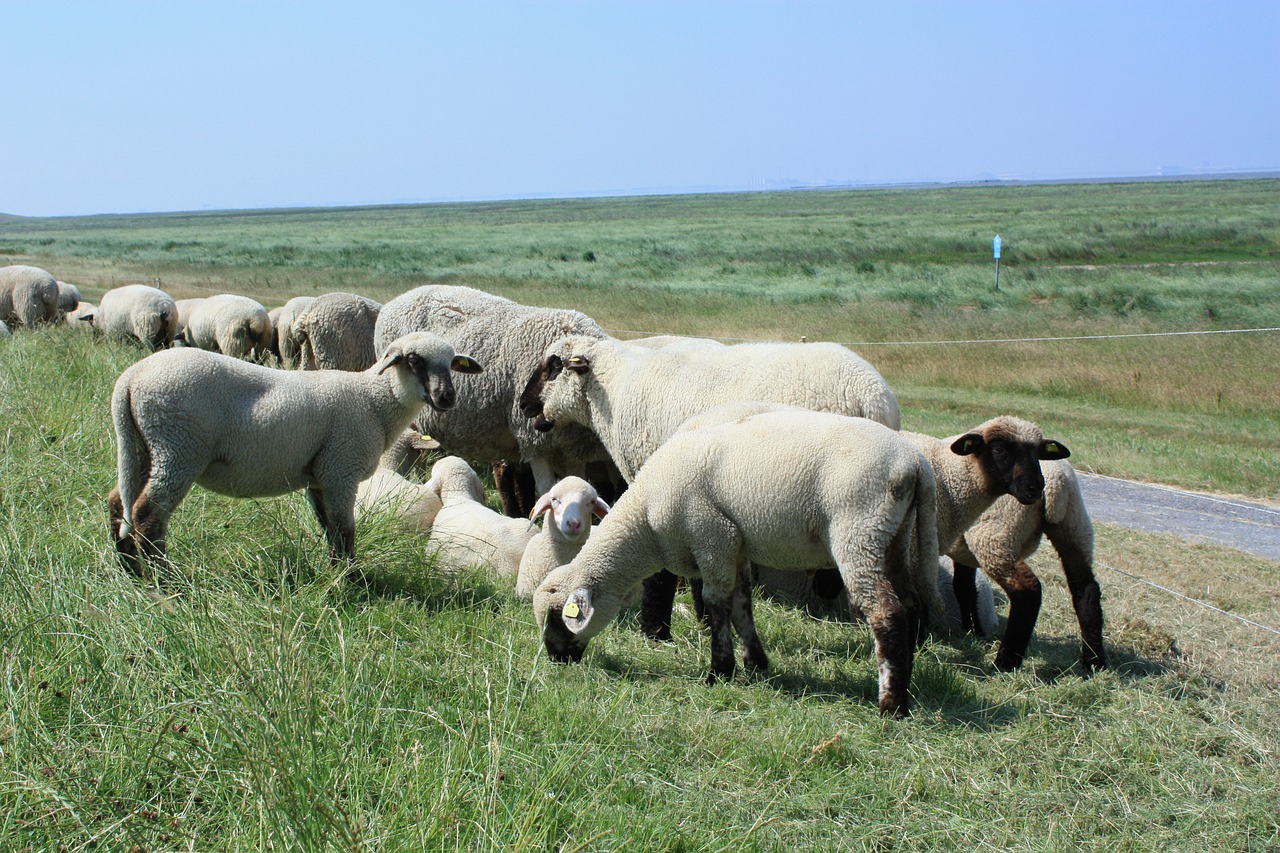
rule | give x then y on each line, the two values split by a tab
286	345
28	296
387	493
568	508
68	297
187	416
140	313
487	426
1002	539
468	533
834	491
634	399
185	307
81	316
229	324
1000	457
336	332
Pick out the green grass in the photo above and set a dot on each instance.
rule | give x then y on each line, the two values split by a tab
260	702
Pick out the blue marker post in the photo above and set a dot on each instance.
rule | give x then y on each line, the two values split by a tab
995	251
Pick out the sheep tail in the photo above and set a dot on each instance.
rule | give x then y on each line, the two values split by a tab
132	460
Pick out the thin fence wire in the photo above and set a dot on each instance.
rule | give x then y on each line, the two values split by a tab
618	332
1197	601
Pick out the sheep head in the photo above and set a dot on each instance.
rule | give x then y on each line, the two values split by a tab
555	391
571	502
1008	451
428	359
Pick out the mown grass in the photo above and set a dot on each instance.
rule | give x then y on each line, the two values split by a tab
260	702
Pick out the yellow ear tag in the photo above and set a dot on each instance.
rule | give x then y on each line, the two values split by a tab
464	363
426	437
1051	448
571	610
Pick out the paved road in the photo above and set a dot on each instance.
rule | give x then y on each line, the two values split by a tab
1243	525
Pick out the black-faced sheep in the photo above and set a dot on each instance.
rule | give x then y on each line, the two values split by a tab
186	416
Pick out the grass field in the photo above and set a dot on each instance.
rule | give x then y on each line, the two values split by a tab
260	702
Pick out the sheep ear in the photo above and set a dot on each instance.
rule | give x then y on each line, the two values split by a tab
577	611
579	364
1052	450
465	364
392	357
600	508
968	444
543	504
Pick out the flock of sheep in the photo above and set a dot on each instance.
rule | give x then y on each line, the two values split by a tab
780	466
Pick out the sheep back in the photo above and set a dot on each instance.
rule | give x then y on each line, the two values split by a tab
230	324
138	312
28	296
336	332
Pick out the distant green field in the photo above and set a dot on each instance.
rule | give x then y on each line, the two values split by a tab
887	271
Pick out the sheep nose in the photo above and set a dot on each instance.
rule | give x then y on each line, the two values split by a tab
573	524
444	398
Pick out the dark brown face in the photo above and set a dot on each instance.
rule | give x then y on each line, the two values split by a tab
1010	463
531	396
437	384
563	646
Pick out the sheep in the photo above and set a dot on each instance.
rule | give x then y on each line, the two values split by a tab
185	307
229	324
68	297
468	533
634	399
1003	538
138	312
838	491
81	316
568	508
286	345
28	296
487	426
336	332
388	493
187	416
999	457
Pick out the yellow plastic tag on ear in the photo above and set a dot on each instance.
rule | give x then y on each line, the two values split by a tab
464	363
426	437
1051	448
571	610
577	359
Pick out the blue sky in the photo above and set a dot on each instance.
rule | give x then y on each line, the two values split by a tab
152	106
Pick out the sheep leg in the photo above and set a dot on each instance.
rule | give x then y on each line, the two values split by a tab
150	528
1023	589
723	662
339	530
895	649
744	622
657	598
515	485
126	546
964	583
1086	598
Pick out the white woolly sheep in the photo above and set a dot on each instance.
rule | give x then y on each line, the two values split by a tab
185	307
468	533
837	491
509	339
68	297
568	508
336	332
1009	532
286	345
81	317
1000	457
187	416
28	296
230	324
634	399
138	312
387	493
